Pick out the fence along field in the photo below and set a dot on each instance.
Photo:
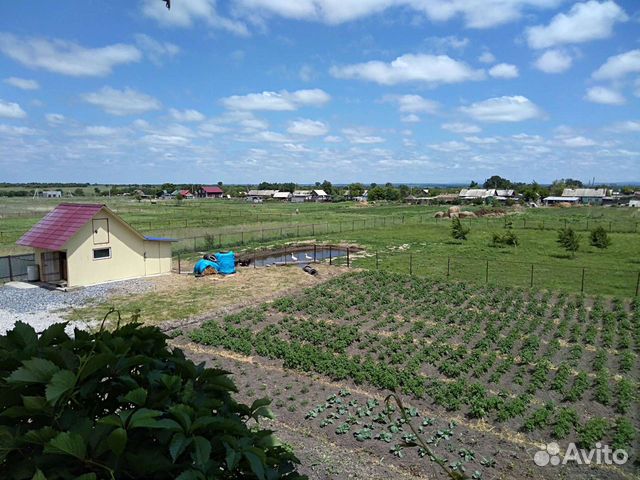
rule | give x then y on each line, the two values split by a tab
555	367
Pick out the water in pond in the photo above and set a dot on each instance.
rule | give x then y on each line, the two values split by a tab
300	257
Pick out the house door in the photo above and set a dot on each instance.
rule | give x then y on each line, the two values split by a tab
50	262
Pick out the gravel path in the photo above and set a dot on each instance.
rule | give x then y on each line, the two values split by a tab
40	307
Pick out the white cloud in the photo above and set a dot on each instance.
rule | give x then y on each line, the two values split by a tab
618	66
22	83
487	57
481	140
11	110
272	137
452	146
411	118
503	109
578	142
122	102
332	139
99	131
361	135
54	118
444	44
627	126
156	51
604	95
430	69
504	70
586	21
67	58
185	13
554	61
413	103
188	115
277	101
458	127
475	13
309	128
13	131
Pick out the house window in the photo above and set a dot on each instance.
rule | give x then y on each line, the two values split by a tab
101	253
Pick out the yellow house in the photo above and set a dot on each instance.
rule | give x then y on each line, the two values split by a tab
86	244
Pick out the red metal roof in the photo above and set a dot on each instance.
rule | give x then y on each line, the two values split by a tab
212	190
185	192
59	225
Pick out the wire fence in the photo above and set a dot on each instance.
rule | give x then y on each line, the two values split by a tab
14	267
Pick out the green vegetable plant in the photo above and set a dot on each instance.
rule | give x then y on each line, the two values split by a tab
122	404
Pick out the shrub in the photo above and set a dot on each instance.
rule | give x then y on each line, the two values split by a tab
599	238
507	238
569	240
121	404
209	241
458	231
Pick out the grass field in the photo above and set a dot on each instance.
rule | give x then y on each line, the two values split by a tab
406	238
526	366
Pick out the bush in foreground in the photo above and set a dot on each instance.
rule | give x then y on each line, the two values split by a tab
121	404
599	238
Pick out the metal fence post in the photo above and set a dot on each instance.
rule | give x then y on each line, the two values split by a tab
10	268
254	259
448	266
348	263
377	262
410	264
638	284
330	256
315	248
531	285
242	238
582	281
486	275
179	269
285	254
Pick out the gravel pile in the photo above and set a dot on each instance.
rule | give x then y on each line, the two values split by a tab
40	307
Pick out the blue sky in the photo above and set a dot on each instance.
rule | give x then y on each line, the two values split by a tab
242	91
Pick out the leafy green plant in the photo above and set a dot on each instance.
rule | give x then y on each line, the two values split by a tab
569	240
599	238
459	231
121	404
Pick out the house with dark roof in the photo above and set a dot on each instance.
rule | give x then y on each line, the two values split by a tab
210	192
80	244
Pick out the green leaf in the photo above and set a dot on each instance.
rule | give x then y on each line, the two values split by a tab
178	445
190	475
39	437
256	462
23	335
6	442
66	443
117	440
137	396
34	403
34	370
260	409
87	476
61	383
233	458
38	475
202	450
53	333
144	418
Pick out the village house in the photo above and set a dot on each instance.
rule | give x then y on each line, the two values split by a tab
210	192
86	244
50	194
257	196
282	196
586	196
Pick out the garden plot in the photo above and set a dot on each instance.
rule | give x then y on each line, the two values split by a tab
530	365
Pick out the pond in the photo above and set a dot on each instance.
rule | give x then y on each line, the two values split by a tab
297	255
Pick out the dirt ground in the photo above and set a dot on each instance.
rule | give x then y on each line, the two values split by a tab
175	300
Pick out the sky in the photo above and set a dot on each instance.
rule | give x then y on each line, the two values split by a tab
243	91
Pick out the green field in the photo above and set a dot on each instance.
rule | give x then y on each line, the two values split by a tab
396	237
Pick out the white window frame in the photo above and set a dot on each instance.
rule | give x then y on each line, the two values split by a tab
101	258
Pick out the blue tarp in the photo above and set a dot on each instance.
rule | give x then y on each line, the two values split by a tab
226	264
202	265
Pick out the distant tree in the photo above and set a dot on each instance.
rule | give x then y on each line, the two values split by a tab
355	189
179	197
569	240
459	231
169	187
377	193
220	184
78	192
473	184
496	181
96	190
327	187
403	191
599	238
559	185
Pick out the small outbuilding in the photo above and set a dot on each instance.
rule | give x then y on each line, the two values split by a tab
86	244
